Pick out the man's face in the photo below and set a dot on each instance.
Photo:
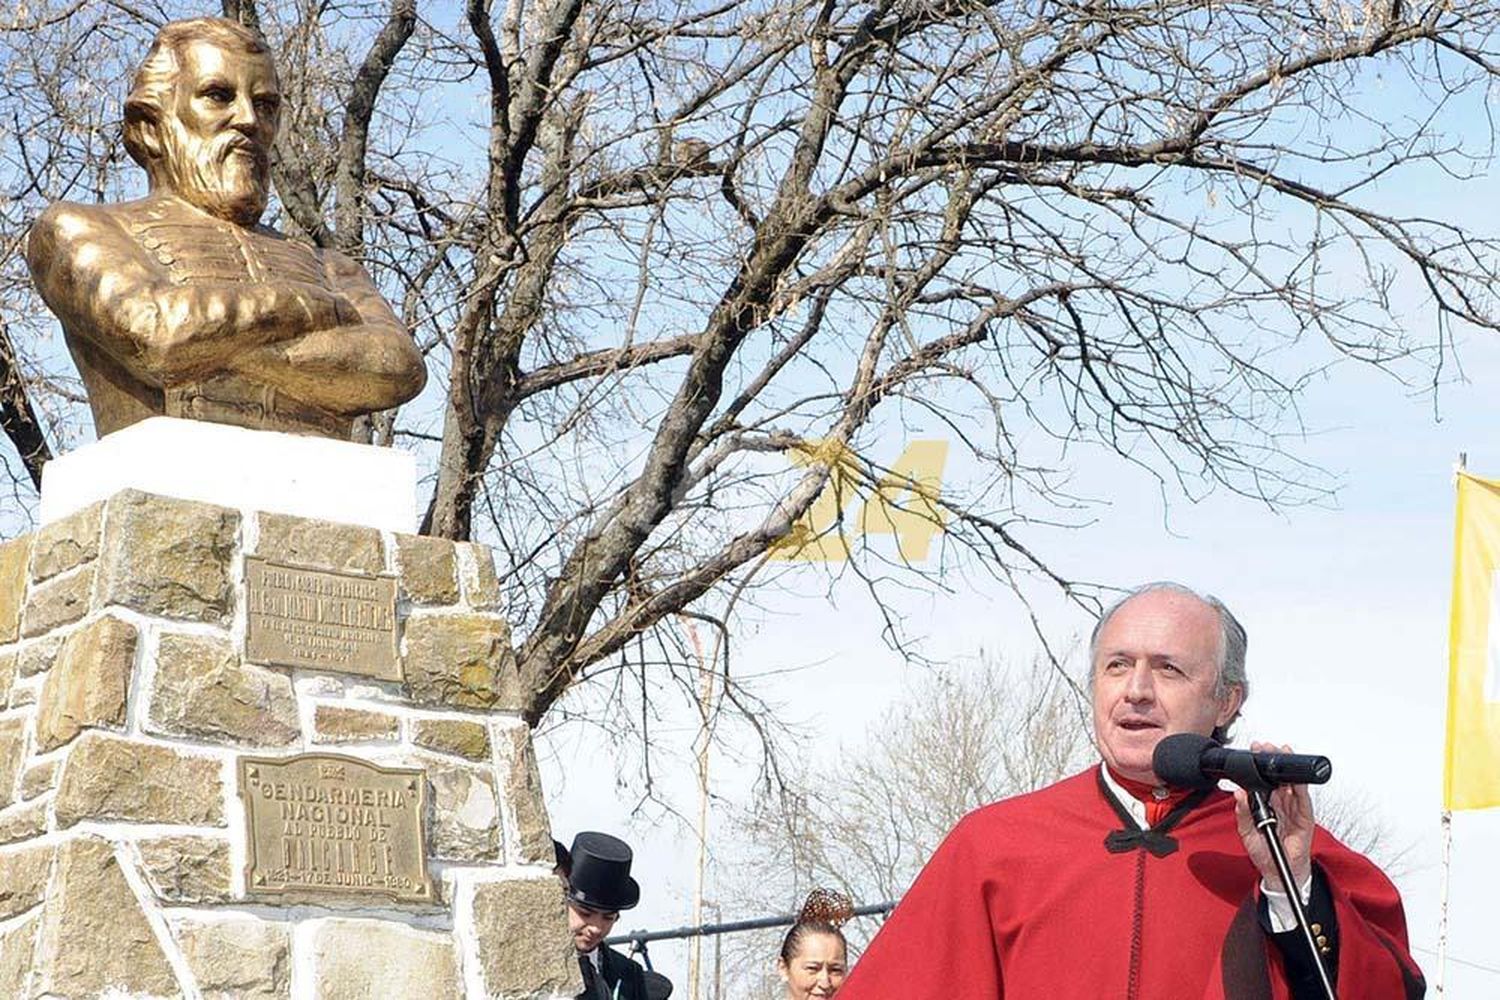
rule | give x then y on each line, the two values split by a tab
1155	669
589	927
218	131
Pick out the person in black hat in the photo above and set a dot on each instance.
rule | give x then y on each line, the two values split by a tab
599	886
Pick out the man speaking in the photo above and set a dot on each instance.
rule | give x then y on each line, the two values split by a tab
1110	884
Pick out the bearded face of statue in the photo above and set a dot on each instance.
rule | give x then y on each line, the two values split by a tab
216	136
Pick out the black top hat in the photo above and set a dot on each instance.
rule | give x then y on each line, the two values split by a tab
600	876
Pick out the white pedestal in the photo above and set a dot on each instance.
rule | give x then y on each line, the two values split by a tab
244	469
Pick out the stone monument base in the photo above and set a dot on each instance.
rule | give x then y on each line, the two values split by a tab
253	755
234	467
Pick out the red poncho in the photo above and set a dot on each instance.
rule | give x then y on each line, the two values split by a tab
1024	900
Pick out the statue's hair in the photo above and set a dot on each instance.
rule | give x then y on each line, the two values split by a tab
824	913
151	89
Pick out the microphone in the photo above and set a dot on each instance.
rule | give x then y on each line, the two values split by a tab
1189	760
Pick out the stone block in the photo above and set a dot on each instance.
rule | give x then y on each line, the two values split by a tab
524	945
60	601
319	544
23	878
168	557
8	662
89	683
66	543
186	869
23	822
12	753
429	569
39	778
337	724
37	656
465	824
459	737
108	778
14	555
204	689
95	938
240	958
481	585
16	948
21	696
463	660
358	959
523	795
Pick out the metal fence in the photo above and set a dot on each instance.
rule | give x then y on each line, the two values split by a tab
639	941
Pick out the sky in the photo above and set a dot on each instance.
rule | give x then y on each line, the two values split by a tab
1346	607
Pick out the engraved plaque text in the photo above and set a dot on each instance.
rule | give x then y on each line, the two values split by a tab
325	824
299	617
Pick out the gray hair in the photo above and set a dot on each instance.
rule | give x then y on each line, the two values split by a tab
1233	642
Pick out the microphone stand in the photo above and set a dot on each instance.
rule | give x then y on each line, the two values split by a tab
1266	822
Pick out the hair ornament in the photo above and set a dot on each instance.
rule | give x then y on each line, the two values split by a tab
826	906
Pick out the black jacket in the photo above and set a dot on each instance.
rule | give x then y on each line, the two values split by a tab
623	979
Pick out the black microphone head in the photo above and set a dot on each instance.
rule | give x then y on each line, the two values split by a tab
1177	760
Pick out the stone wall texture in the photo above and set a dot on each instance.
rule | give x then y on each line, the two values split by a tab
126	701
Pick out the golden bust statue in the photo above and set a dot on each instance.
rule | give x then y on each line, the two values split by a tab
182	303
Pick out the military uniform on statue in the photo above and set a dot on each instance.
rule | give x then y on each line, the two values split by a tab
599	887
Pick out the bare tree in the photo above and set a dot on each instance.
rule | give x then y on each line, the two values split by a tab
1354	818
652	250
866	823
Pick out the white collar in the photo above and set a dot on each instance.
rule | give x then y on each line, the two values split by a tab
1131	804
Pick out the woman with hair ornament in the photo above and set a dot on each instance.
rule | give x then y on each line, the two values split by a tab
814	955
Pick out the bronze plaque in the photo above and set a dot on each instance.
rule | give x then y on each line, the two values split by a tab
345	622
322	824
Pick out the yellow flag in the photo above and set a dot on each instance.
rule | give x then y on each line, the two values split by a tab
1471	772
